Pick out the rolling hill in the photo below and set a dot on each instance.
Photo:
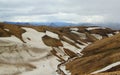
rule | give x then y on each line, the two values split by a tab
71	50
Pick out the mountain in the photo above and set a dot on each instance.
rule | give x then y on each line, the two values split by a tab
48	50
54	24
115	26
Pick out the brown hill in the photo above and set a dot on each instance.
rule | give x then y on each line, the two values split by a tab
97	56
104	50
7	30
103	45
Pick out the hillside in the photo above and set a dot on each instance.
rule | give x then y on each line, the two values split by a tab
101	56
75	50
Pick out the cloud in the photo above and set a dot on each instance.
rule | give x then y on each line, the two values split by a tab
60	10
74	18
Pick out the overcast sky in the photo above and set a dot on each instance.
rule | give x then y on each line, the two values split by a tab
60	10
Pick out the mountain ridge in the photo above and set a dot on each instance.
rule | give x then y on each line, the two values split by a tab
115	26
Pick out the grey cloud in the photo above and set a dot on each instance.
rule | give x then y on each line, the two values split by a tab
109	9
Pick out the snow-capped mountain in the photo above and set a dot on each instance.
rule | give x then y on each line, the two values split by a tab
45	50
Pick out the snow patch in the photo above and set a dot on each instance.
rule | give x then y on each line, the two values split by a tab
7	30
116	32
51	34
74	29
63	68
46	66
82	35
6	69
59	51
21	53
18	53
35	38
12	38
68	38
107	67
92	28
81	47
109	35
70	47
97	36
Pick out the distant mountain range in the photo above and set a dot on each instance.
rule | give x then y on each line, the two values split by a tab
43	23
58	24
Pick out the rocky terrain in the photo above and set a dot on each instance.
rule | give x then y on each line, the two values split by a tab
44	50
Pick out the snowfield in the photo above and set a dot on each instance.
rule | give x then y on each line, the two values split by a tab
42	60
34	38
32	56
45	66
33	52
12	38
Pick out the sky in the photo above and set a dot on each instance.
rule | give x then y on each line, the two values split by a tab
76	11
